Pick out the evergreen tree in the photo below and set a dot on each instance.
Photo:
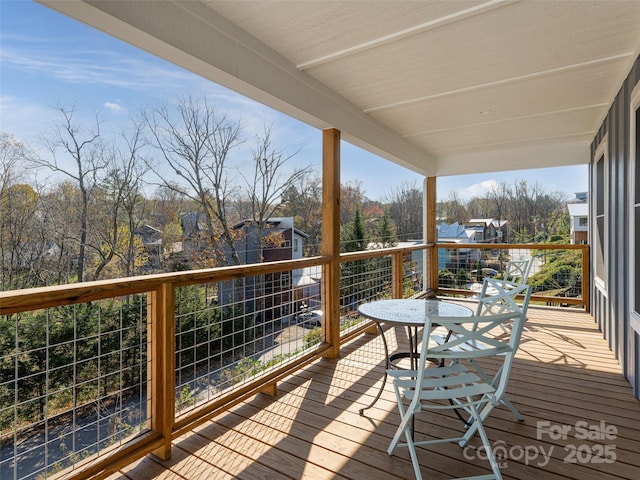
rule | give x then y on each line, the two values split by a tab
354	237
386	232
353	275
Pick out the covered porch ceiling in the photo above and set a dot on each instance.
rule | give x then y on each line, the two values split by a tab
442	88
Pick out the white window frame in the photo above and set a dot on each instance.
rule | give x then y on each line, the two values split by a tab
601	151
634	319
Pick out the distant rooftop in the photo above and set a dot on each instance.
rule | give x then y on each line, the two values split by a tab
578	209
580	197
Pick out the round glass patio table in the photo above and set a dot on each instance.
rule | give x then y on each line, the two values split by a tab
412	314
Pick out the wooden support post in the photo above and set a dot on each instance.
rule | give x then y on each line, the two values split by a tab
161	334
586	297
270	389
372	329
396	275
430	235
331	239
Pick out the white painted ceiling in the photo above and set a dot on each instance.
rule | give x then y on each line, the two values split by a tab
441	87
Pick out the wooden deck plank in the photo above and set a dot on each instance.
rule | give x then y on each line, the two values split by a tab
564	373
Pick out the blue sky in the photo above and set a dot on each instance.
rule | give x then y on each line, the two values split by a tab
48	60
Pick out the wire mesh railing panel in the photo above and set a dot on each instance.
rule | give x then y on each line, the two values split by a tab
363	281
412	273
73	382
231	331
554	272
557	273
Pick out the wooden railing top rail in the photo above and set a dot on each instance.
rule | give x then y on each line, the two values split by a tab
364	254
515	246
44	297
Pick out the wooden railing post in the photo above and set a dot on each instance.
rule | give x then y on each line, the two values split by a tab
430	236
162	376
396	275
331	239
586	297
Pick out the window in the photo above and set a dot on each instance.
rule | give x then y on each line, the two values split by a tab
286	244
600	236
634	220
583	221
285	280
295	244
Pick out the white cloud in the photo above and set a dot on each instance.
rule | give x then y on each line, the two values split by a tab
114	107
477	189
96	67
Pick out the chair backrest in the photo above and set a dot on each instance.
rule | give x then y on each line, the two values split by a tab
517	271
499	296
477	331
488	335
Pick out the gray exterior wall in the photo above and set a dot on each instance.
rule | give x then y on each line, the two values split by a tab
610	307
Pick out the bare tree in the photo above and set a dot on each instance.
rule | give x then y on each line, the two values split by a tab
11	154
453	209
302	200
60	226
121	203
196	148
167	206
79	156
269	180
499	195
405	208
19	245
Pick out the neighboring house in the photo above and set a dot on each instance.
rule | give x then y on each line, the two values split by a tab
192	224
267	296
459	257
151	239
484	231
307	284
579	219
415	259
501	231
279	240
488	230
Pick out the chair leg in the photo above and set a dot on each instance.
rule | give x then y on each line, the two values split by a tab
516	413
413	454
504	400
405	427
485	410
477	425
405	418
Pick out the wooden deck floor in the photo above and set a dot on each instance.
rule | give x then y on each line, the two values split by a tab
564	374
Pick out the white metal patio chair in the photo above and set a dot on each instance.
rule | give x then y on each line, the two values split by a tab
497	296
517	271
456	385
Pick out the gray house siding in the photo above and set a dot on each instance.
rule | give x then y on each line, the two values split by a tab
611	306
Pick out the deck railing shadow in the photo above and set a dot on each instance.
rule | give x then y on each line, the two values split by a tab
312	427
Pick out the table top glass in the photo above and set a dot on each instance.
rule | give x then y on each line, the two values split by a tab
411	311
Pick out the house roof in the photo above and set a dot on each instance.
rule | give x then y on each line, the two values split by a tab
279	224
442	88
486	221
578	209
455	231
